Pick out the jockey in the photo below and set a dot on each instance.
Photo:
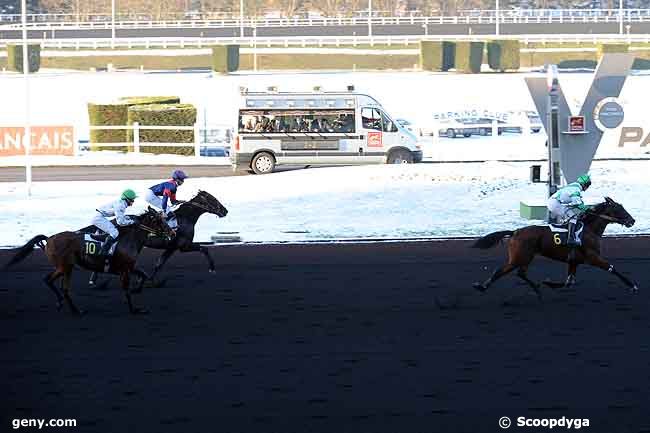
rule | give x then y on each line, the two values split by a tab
566	205
114	209
159	194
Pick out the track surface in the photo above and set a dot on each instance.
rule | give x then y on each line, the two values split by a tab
111	172
336	338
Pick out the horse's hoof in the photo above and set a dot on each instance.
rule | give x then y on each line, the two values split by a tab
635	289
91	283
139	311
480	287
212	271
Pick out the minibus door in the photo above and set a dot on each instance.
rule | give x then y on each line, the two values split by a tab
372	144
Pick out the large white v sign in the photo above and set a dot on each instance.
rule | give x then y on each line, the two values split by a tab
578	150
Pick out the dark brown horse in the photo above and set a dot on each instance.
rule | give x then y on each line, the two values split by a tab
66	249
187	216
527	242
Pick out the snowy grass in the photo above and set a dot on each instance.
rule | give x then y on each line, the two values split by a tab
425	200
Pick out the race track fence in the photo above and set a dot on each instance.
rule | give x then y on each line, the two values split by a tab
206	20
200	136
315	41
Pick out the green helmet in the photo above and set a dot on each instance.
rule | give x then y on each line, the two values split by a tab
128	194
584	180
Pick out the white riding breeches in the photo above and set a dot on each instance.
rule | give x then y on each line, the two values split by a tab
562	212
104	224
156	202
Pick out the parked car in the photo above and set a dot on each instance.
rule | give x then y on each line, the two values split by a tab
452	128
406	124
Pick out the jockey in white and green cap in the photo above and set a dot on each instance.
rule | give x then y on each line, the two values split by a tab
567	206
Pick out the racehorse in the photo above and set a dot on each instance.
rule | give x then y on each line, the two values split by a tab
66	249
527	242
187	215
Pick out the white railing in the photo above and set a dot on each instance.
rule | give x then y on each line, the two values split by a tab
526	16
137	143
314	41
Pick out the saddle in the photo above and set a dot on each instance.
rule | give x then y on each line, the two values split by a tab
560	233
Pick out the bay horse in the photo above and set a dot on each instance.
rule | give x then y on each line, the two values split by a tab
187	214
527	242
66	249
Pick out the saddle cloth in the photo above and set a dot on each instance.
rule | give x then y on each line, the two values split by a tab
92	244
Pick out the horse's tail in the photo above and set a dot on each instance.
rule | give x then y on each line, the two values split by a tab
26	250
488	241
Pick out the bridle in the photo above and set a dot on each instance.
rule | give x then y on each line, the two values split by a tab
208	209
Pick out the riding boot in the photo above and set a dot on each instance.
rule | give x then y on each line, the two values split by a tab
106	247
571	242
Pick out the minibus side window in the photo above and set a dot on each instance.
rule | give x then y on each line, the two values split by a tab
389	126
371	119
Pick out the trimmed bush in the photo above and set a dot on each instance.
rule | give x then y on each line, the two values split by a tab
117	115
145	100
641	64
107	115
15	58
503	55
577	64
469	57
611	48
436	55
225	58
164	115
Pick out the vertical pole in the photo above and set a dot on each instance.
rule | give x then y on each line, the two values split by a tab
27	138
370	18
497	30
197	140
136	137
241	18
553	129
620	17
254	48
112	23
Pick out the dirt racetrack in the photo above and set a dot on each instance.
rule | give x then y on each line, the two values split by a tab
377	337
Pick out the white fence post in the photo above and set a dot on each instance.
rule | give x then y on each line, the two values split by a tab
136	137
197	140
495	128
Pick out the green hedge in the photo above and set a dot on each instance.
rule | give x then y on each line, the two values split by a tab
469	57
437	55
145	100
164	115
225	58
641	64
503	55
107	115
117	115
15	58
611	48
577	64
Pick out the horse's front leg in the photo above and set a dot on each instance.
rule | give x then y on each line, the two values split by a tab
599	262
570	278
143	278
161	261
194	247
124	278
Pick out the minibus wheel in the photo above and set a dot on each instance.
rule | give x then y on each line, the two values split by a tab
263	163
400	156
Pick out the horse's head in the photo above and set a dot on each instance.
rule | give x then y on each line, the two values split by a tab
208	202
151	220
616	212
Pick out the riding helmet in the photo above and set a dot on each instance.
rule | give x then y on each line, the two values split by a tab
179	175
585	181
129	194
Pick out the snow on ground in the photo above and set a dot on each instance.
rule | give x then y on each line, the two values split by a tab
380	201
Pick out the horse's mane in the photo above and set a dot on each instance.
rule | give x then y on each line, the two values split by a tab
595	211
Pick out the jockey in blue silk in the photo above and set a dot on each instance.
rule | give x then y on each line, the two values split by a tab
567	206
159	195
